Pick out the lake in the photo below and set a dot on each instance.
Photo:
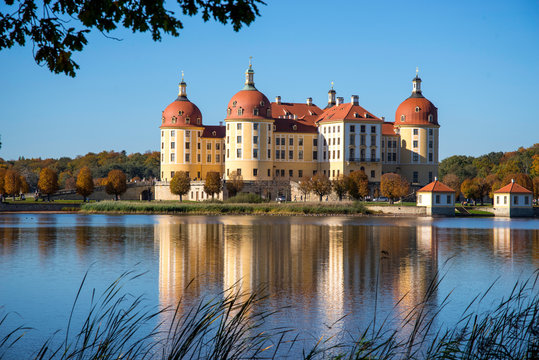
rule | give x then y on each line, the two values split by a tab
323	274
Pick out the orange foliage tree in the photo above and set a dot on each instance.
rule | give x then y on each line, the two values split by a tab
48	182
304	187
12	183
85	182
320	185
470	189
116	183
339	186
357	184
520	178
213	184
180	184
24	185
453	181
2	190
393	186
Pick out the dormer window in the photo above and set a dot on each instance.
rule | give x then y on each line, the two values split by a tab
294	127
234	103
431	118
180	113
174	119
214	133
356	115
255	111
187	121
240	111
198	121
163	119
417	109
262	103
229	111
403	118
268	112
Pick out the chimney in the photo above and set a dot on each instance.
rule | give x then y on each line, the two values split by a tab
383	118
309	101
220	123
277	99
340	100
355	100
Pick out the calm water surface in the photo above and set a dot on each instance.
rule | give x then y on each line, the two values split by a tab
322	271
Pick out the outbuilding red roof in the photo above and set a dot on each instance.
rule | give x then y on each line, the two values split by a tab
347	111
436	186
513	188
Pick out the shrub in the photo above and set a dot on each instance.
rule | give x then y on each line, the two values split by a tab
245	198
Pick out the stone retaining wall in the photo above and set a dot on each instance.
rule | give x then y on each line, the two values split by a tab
38	206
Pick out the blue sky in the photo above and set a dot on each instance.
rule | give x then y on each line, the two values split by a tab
479	62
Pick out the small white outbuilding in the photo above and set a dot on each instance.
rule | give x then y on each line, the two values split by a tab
438	198
513	200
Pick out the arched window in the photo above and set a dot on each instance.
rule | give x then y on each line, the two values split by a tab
180	113
240	111
431	118
268	112
229	111
403	118
234	103
255	111
417	109
187	121
262	103
174	119
214	133
198	121
162	119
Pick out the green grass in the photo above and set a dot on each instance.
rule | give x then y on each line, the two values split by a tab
231	326
225	208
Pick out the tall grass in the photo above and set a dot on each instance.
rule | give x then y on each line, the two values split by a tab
229	326
225	208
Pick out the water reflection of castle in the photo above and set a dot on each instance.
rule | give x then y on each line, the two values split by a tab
331	269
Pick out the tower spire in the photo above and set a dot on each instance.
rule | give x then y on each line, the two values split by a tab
250	76
331	97
416	87
182	94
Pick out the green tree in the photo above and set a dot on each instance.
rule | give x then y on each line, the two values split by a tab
180	184
54	36
48	182
320	185
460	165
393	186
339	186
357	184
234	184
305	187
85	183
116	183
213	184
12	183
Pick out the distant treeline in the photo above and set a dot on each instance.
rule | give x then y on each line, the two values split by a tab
480	176
136	165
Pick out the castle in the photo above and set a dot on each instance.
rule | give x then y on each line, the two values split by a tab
267	142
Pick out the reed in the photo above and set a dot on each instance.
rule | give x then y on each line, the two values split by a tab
221	208
229	326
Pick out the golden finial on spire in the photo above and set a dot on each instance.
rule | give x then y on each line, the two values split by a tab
416	71
182	75
250	61
332	85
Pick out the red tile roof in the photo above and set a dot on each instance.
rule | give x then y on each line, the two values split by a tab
435	186
513	188
300	115
388	129
420	117
347	111
214	131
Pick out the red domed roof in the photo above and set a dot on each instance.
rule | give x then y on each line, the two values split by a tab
249	104
416	110
181	112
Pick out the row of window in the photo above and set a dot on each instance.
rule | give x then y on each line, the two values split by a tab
515	200
430	117
188	158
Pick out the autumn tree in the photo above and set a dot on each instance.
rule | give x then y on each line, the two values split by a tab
85	183
536	187
234	184
519	178
357	184
12	183
213	184
24	185
453	181
483	188
305	187
470	189
320	185
48	182
180	184
116	183
339	186
393	186
56	29
2	190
